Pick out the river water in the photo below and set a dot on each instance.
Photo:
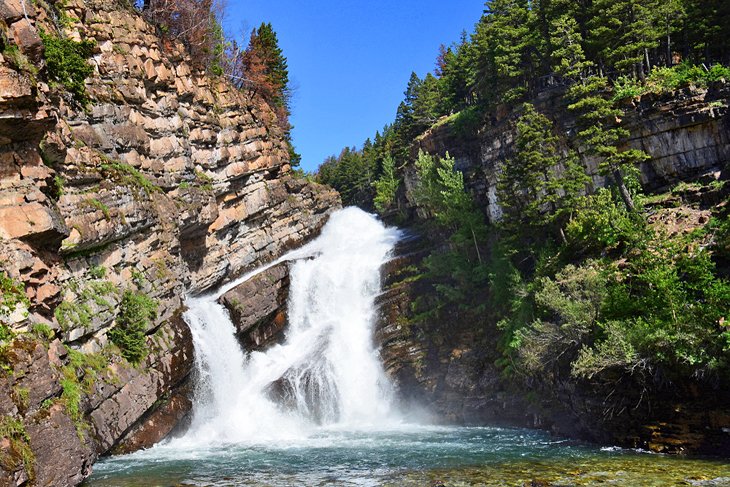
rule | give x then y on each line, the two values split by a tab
318	408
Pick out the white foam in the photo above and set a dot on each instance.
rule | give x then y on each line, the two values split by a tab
326	374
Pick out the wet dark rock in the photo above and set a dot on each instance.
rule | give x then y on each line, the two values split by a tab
258	306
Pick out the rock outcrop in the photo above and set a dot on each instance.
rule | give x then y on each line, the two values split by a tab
685	132
258	307
167	182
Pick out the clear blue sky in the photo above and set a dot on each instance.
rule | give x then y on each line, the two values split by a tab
350	61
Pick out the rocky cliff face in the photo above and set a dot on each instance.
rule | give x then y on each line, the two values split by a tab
449	364
686	133
167	182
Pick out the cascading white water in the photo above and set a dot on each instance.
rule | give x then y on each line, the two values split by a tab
326	373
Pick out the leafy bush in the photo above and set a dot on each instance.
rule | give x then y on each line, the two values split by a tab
627	87
67	63
667	79
467	122
568	309
602	224
672	304
136	311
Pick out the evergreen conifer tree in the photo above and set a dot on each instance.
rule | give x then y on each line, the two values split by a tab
538	186
507	43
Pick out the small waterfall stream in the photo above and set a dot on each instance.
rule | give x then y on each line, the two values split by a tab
326	372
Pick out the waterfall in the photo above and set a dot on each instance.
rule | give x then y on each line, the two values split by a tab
326	373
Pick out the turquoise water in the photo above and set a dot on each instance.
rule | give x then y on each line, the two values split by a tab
417	456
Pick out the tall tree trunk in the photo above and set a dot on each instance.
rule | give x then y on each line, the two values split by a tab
618	178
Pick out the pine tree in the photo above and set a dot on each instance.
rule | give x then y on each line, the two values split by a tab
708	30
386	186
507	44
456	70
538	187
600	132
426	105
267	74
568	57
405	119
622	33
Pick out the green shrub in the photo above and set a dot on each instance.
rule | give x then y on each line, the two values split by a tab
67	63
614	352
71	395
467	122
42	330
685	74
70	314
97	272
602	224
567	309
204	181
129	175
669	303
18	60
136	311
627	87
12	297
99	205
19	452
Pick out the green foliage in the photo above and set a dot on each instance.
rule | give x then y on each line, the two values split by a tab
12	298
204	181
664	79
567	57
19	452
466	122
671	304
99	205
97	272
79	312
353	174
18	60
507	41
626	87
458	271
600	131
71	395
67	63
136	311
568	308
59	186
538	188
614	352
42	330
129	175
685	74
70	314
663	309
386	187
265	45
602	224
79	365
620	32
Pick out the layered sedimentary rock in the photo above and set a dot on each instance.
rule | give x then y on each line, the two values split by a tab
686	133
167	182
258	307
